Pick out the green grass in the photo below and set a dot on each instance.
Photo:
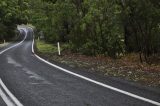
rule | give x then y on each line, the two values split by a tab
2	44
44	47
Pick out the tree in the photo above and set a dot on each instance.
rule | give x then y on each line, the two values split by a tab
97	27
9	13
141	25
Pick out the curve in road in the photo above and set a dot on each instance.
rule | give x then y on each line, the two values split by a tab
35	83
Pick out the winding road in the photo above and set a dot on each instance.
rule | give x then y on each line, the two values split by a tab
31	81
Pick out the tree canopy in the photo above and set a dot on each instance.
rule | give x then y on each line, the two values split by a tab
12	12
92	27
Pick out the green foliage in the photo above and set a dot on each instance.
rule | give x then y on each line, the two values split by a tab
99	28
91	27
44	47
11	14
141	20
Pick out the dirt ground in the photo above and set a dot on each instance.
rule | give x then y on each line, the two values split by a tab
127	67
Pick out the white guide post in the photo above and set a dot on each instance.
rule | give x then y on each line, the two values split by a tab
59	50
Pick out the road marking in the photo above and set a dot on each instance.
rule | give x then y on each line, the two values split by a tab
11	96
5	98
96	82
13	62
13	45
37	79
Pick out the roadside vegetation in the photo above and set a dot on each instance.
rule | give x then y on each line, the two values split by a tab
116	37
111	28
128	67
12	13
44	47
3	44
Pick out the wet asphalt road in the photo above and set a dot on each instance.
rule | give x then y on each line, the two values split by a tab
35	83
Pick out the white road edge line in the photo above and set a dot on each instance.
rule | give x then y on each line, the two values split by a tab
13	45
96	82
11	96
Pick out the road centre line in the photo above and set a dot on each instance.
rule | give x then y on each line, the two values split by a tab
5	98
11	96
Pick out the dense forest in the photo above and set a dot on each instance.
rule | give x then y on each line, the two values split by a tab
11	14
92	27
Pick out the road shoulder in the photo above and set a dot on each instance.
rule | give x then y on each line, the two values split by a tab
129	86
